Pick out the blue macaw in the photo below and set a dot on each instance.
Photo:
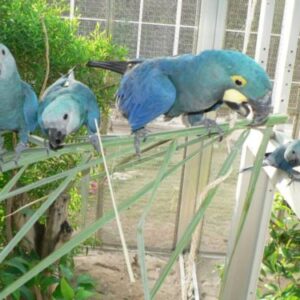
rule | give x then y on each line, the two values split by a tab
19	103
190	85
67	105
285	157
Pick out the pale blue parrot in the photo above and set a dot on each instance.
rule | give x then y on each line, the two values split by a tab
190	85
67	105
284	157
19	104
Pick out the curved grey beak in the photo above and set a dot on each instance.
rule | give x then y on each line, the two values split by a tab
261	109
56	138
242	109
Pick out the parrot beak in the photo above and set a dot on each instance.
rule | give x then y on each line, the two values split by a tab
56	138
261	109
242	109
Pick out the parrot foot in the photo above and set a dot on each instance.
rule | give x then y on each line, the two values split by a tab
212	127
47	146
19	149
295	176
95	142
139	135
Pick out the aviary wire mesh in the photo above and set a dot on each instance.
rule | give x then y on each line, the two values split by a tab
148	28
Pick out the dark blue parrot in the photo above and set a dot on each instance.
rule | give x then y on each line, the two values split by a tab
19	104
67	105
190	85
284	157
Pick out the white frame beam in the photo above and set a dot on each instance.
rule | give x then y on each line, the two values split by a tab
195	175
286	55
244	268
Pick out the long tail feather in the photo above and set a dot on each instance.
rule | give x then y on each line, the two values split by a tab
264	164
120	67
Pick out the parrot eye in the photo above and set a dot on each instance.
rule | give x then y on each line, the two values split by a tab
65	117
239	80
293	152
3	51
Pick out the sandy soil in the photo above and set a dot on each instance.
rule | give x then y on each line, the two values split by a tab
112	283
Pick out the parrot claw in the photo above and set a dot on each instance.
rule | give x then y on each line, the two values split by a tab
19	149
95	142
139	135
295	176
212	127
47	146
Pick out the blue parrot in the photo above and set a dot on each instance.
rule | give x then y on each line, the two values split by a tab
190	85
285	157
67	105
19	103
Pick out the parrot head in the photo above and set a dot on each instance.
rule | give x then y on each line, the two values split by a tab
7	63
60	118
292	153
245	83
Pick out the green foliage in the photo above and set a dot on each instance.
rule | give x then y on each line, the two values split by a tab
280	273
68	285
21	31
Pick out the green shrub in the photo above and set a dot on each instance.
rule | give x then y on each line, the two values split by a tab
22	32
280	273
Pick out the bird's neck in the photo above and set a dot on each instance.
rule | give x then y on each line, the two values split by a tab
11	84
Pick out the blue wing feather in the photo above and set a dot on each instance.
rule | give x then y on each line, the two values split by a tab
30	106
144	95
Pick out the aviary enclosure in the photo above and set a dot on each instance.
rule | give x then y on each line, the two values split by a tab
183	207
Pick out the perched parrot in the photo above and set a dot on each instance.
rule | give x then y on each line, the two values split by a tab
67	105
190	85
285	157
19	103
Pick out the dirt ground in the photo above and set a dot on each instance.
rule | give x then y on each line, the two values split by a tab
108	268
112	282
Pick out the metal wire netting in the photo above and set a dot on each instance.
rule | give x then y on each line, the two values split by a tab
149	31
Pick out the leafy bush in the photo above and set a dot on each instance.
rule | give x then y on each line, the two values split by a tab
66	284
22	32
280	273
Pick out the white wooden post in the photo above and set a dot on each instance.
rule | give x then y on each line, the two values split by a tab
245	264
139	35
177	27
264	33
195	176
286	55
72	9
243	272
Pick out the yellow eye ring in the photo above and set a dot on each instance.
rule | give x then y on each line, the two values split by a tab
238	80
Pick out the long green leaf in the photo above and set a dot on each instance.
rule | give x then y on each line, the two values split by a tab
186	236
112	142
37	214
140	227
250	192
13	181
38	154
88	231
134	162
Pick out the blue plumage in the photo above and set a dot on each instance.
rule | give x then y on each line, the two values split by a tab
67	105
191	84
19	103
285	157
